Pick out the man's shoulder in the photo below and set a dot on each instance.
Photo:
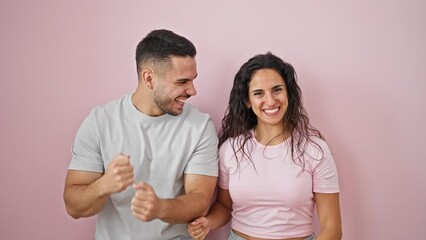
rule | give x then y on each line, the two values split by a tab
194	112
110	107
197	120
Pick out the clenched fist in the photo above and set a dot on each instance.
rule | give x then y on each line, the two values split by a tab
118	175
146	206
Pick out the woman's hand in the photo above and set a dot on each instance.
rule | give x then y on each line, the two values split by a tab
199	228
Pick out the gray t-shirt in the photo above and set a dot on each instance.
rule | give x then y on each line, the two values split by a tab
162	150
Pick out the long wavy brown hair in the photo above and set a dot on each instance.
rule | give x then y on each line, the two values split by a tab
239	120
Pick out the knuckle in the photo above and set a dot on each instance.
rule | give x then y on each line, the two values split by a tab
119	179
122	185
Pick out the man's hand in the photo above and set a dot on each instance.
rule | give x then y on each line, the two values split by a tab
118	176
86	193
146	206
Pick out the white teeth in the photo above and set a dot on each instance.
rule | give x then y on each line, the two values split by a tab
180	101
270	111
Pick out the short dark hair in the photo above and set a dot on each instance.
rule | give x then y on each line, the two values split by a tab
160	45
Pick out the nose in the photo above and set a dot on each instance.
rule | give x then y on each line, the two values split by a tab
191	90
269	99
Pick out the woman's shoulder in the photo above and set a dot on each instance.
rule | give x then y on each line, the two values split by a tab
234	144
317	148
227	145
319	141
235	141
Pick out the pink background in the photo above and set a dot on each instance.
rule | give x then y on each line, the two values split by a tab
361	66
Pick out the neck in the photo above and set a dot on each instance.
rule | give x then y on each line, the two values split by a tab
270	135
145	104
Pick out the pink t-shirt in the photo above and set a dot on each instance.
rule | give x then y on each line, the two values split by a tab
275	199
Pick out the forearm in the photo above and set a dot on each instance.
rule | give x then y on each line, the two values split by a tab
218	215
328	209
330	233
185	208
84	200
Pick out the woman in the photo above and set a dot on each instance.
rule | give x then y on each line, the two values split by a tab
274	166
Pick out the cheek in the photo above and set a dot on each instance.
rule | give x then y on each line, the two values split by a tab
171	92
284	100
254	104
249	103
178	90
255	100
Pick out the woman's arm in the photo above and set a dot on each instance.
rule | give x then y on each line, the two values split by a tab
328	209
218	215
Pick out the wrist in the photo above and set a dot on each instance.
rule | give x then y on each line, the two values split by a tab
162	209
100	187
209	224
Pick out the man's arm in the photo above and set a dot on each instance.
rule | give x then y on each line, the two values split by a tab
83	195
86	193
199	190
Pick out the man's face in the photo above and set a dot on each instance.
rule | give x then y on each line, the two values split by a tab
175	85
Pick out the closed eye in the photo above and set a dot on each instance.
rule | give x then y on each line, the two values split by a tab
278	89
257	93
181	82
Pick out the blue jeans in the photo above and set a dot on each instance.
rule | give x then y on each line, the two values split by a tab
233	236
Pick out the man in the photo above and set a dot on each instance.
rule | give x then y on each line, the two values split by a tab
146	164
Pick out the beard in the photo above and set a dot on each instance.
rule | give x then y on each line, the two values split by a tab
166	104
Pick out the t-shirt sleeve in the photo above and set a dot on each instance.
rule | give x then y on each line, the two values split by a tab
325	177
86	152
204	159
223	180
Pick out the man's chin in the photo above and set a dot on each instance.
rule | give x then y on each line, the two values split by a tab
175	112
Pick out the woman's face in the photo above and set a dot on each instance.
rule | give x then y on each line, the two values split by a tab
268	97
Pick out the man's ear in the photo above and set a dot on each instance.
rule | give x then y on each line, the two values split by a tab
147	76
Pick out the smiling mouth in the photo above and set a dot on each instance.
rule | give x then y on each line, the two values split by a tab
181	100
272	111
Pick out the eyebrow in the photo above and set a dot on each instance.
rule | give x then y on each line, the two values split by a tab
280	85
276	86
257	90
187	79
